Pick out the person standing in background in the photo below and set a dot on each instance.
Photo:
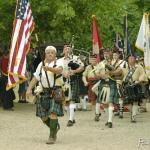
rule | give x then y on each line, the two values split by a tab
6	96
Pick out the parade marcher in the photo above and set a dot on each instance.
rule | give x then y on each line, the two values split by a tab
47	108
134	77
6	96
145	88
83	94
72	67
90	78
107	90
118	63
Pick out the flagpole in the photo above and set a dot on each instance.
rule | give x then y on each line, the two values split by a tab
42	58
125	36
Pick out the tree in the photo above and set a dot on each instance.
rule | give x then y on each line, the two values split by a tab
57	20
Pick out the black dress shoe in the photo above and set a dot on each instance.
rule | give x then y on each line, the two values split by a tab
23	101
133	120
109	124
20	101
116	113
97	117
70	123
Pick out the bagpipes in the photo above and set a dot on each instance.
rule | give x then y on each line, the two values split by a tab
132	92
113	68
73	64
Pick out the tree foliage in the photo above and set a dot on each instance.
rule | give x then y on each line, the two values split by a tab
57	20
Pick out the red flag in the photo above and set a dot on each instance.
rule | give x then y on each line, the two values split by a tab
97	42
22	29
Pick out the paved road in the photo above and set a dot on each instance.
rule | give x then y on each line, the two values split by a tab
21	130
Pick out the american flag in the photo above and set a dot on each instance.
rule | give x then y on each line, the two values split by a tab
20	44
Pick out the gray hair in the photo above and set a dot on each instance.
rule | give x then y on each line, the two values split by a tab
49	48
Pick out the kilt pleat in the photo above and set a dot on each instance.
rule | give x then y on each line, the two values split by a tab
53	108
107	94
75	90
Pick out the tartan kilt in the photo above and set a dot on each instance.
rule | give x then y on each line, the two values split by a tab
75	90
53	107
111	90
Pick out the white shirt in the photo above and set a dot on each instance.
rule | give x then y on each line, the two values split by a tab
65	62
49	73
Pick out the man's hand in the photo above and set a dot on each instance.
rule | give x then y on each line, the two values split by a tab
66	74
104	76
85	83
111	73
72	72
45	68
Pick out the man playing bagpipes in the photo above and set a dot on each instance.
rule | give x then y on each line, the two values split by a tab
90	78
134	77
72	67
107	89
118	63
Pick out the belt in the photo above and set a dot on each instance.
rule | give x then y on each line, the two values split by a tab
46	91
49	90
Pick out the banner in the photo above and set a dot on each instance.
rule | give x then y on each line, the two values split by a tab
20	44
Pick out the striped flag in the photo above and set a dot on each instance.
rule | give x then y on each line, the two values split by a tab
20	44
143	41
97	42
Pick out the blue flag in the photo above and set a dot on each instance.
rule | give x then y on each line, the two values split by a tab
118	43
127	45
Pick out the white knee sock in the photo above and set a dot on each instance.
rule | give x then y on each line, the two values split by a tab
120	105
110	113
97	108
134	110
66	108
78	106
84	102
72	112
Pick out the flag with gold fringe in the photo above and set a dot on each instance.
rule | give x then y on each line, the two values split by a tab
23	26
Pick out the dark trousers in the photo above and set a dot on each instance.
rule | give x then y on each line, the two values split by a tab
6	97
